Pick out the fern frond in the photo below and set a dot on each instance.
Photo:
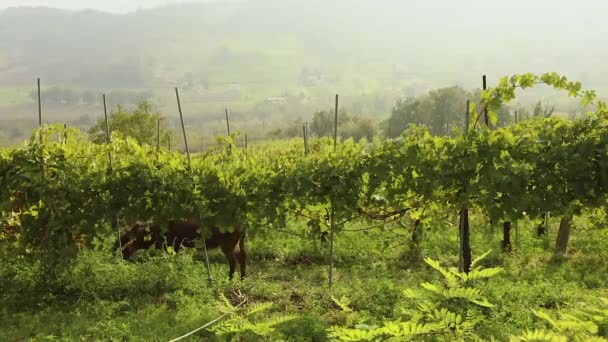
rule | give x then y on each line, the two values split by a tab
257	307
407	329
577	325
231	326
401	330
479	259
433	288
427	307
569	323
450	278
482	273
350	335
472	295
546	317
343	303
224	305
539	336
413	294
267	327
455	272
589	339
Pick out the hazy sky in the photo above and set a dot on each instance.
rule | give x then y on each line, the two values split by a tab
544	10
120	6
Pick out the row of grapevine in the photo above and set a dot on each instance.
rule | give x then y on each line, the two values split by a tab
535	166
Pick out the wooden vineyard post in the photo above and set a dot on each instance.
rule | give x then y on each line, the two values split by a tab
563	235
39	106
111	166
181	119
228	130
485	109
465	240
157	137
307	138
105	113
516	223
227	122
467	117
246	141
333	209
305	135
336	125
464	259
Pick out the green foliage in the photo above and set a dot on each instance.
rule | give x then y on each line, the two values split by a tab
248	325
441	110
396	330
323	123
57	192
269	183
356	127
452	308
580	324
140	124
456	301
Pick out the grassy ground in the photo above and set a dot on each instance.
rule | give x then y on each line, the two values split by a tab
99	297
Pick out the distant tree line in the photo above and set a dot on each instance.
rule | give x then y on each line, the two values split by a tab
68	96
322	125
440	110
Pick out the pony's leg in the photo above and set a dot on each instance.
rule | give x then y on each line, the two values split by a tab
242	257
229	253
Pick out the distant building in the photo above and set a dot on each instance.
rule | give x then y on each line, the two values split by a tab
277	100
312	77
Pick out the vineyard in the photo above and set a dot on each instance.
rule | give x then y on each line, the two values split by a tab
383	216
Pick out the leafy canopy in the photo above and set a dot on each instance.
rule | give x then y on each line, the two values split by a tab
140	123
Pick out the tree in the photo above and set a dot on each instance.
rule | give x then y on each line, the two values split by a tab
505	117
410	111
447	108
358	128
322	123
140	124
440	110
540	111
293	130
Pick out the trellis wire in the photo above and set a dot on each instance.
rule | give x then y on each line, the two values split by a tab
207	324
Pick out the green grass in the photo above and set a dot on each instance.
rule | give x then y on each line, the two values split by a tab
161	297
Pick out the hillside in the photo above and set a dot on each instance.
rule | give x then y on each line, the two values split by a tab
271	41
246	54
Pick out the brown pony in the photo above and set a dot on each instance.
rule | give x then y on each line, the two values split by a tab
184	234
